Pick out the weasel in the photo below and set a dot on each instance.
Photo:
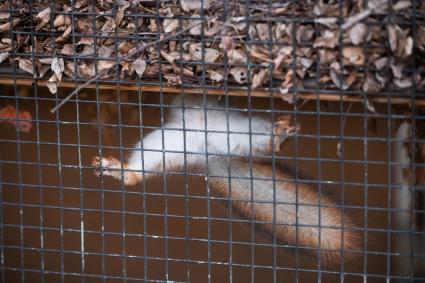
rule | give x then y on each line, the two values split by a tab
202	139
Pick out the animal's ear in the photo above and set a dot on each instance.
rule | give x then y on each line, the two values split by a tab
283	128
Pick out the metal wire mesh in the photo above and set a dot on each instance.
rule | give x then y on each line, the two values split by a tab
361	137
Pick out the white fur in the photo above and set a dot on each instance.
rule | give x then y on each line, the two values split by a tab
232	133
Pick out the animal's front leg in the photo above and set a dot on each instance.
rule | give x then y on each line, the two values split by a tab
161	151
110	166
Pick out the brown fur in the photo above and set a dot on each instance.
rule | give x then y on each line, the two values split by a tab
300	229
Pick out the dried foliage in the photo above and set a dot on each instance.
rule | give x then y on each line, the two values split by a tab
369	46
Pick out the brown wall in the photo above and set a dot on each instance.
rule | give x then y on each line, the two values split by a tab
61	194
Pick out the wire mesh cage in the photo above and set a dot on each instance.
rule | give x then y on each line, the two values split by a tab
198	141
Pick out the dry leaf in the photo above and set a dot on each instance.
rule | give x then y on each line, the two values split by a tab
44	16
190	5
210	54
369	106
52	84
170	25
105	52
58	66
337	77
42	70
8	114
260	78
59	20
67	49
287	95
120	13
263	31
401	5
173	79
215	76
227	43
26	65
45	60
358	33
330	22
236	56
403	83
4	16
139	66
381	63
240	74
6	26
304	33
328	40
356	18
397	69
167	57
370	85
86	71
197	28
354	55
4	56
85	41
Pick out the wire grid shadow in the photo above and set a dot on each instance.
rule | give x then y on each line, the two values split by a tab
212	141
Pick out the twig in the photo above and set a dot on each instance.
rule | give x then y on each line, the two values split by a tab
139	49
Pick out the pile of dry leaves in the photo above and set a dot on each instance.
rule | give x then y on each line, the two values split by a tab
370	46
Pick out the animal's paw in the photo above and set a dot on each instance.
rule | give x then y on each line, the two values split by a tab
283	128
108	166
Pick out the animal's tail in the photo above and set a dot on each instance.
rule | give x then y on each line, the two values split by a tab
296	213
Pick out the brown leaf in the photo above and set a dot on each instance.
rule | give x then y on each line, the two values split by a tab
339	79
58	66
358	33
59	20
67	49
120	13
139	66
4	56
173	79
215	76
190	5
210	55
260	78
240	74
6	26
263	31
170	25
86	71
330	22
236	56
106	53
227	43
44	16
52	84
370	85
381	63
354	55
403	83
369	106
328	40
26	65
287	95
